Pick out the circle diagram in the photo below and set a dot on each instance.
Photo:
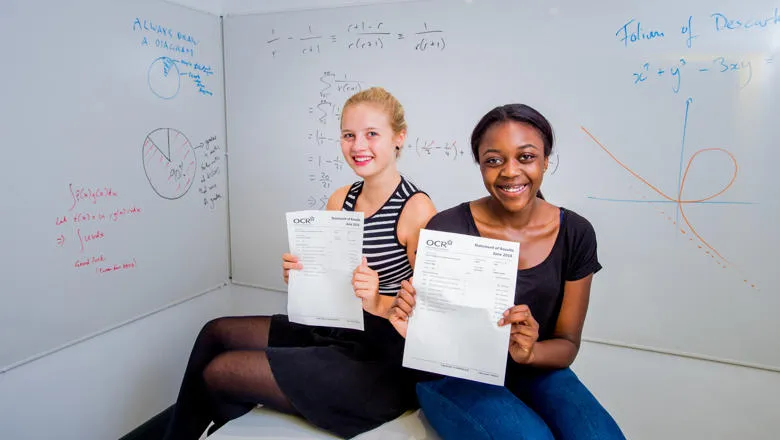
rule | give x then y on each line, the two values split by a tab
164	78
169	162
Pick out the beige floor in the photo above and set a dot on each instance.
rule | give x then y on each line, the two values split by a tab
262	424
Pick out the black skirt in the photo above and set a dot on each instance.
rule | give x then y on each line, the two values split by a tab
344	381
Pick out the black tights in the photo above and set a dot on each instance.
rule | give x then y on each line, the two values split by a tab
227	375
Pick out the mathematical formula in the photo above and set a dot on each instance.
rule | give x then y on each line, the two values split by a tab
429	147
327	109
360	36
93	213
635	32
326	165
740	67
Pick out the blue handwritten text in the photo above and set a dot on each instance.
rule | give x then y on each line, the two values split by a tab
724	23
632	32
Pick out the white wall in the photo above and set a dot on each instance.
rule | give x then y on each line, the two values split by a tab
214	7
106	386
657	396
239	7
250	300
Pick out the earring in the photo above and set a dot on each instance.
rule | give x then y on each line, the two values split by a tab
397	148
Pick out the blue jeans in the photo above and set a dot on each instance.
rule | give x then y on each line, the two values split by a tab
544	404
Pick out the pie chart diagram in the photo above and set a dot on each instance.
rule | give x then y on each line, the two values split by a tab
169	162
163	78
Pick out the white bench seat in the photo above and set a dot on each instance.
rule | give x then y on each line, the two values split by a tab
265	424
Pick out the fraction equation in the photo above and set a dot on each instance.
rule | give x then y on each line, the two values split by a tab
360	36
430	147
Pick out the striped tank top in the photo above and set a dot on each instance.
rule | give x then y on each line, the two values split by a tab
383	250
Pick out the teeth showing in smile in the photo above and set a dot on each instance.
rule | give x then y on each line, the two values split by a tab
513	188
360	159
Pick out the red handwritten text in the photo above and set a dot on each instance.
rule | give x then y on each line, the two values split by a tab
84	239
116	267
119	213
83	217
87	261
86	216
81	194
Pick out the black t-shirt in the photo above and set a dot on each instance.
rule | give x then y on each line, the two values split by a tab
573	257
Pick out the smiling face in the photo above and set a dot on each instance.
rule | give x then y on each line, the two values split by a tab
367	139
512	162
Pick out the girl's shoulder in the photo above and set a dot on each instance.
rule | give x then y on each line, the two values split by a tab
337	198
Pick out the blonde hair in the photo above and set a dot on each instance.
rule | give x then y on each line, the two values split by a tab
387	102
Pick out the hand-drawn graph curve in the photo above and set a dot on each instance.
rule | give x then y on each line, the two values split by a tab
169	162
678	199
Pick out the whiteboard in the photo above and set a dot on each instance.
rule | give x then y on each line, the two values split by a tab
643	120
114	181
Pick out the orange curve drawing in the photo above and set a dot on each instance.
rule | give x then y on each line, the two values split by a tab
679	201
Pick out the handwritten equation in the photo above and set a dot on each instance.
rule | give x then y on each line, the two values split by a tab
359	36
319	137
327	165
89	218
323	166
210	168
317	201
326	112
336	162
635	33
328	109
165	74
431	147
741	68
